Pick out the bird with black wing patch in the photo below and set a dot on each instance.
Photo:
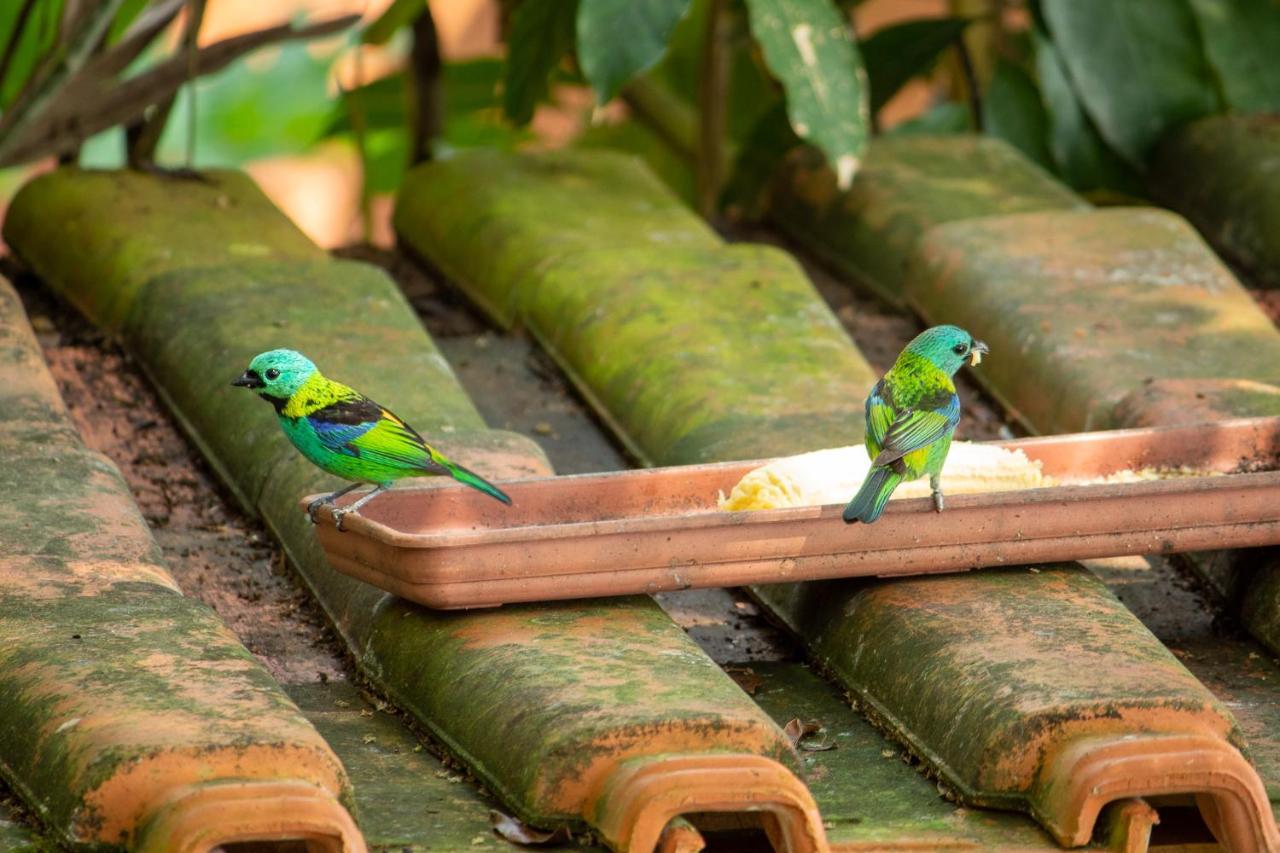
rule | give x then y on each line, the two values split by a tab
345	433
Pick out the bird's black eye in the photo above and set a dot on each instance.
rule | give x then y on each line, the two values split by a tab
273	374
958	349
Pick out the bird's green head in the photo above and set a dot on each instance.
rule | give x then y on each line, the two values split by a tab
276	374
948	348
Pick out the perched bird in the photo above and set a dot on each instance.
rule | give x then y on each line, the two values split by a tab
345	433
911	415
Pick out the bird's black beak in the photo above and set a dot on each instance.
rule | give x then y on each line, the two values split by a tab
977	352
249	379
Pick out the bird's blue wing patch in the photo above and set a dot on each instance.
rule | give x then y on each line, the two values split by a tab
879	418
337	437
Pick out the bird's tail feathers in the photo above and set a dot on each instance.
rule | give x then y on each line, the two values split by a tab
475	481
869	502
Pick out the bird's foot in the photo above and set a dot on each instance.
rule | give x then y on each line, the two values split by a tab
339	515
314	507
938	503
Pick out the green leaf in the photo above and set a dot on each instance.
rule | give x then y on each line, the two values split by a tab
1084	160
378	105
399	14
895	54
540	36
1012	111
35	41
618	39
1137	67
809	49
126	16
1242	41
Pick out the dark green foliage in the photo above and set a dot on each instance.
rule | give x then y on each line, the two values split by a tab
618	39
1138	68
1012	111
1105	82
1241	39
808	47
542	33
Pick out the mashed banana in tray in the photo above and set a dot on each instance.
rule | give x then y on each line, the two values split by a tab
834	475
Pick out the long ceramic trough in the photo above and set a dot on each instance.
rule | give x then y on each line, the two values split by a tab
448	546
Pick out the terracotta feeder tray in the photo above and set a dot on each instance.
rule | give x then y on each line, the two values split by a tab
448	546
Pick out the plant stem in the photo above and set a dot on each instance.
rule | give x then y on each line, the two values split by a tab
713	83
192	45
428	95
971	84
143	136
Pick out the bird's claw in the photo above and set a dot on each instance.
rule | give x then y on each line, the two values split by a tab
338	516
314	507
938	503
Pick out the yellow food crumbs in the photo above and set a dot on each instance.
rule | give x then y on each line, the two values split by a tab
834	475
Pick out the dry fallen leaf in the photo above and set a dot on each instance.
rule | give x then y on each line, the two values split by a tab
518	832
800	733
746	678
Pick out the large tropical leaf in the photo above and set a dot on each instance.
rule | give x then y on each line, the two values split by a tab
1137	67
1242	41
895	54
808	47
541	34
618	39
1012	111
1084	160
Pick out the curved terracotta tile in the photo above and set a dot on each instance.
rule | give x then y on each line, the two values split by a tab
1090	773
116	692
1066	292
542	702
907	185
640	798
1032	689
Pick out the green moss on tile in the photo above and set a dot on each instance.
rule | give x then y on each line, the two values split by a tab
96	683
491	221
608	678
691	312
1083	309
129	227
1004	663
907	185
